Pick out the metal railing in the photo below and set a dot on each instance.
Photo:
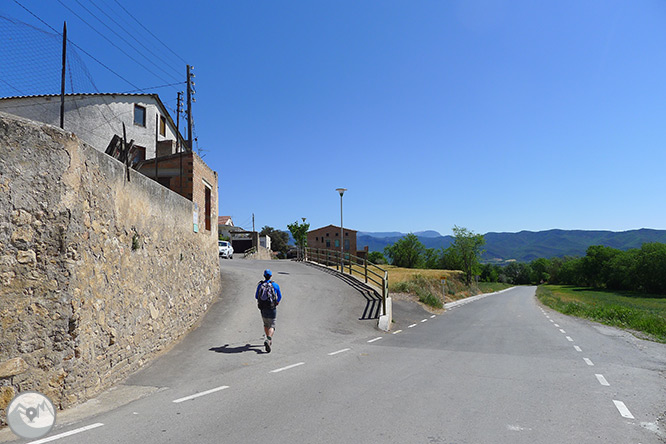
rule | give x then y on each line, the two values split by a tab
351	264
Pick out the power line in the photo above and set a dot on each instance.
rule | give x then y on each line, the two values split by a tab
75	45
124	40
131	35
108	40
156	38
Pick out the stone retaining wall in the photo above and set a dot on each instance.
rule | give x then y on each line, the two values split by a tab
98	273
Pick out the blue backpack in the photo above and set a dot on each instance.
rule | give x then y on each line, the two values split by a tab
267	299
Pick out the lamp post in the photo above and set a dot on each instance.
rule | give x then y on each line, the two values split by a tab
303	243
342	257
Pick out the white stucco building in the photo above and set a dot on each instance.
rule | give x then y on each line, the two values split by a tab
96	118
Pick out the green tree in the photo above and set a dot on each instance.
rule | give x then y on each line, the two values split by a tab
300	233
651	267
467	246
407	252
279	240
540	269
376	257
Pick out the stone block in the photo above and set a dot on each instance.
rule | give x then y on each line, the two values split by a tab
12	367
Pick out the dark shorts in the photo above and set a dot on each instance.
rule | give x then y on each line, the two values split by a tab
269	316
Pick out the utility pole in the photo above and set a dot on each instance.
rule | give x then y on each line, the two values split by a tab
179	103
190	83
62	76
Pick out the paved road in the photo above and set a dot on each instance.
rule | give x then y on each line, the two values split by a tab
500	369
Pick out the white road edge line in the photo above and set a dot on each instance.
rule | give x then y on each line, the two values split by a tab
339	351
578	349
278	370
411	326
602	380
397	331
433	316
569	339
373	340
588	362
424	320
70	433
562	331
197	395
624	411
557	325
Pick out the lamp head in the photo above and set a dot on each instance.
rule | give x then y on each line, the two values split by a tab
341	191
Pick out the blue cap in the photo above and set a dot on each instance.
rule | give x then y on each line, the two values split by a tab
267	273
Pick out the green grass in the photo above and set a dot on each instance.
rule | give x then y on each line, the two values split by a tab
421	286
638	312
491	287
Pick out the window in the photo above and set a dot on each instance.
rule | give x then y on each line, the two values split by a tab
138	154
337	243
162	126
347	244
207	206
328	243
139	115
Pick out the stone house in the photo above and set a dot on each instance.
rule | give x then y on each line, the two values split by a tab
96	118
159	148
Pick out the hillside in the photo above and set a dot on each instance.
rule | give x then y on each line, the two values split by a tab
526	246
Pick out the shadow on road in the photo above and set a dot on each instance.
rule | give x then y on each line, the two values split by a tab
258	349
373	303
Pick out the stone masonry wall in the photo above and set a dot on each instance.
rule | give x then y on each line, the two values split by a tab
98	273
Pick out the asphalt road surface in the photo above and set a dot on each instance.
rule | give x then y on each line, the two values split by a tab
498	369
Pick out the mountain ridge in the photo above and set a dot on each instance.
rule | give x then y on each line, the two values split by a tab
525	246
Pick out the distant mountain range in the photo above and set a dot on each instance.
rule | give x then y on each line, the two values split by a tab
526	246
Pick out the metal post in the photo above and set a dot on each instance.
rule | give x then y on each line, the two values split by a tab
384	292
62	77
365	265
189	108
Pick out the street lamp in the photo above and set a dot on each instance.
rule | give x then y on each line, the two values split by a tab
342	257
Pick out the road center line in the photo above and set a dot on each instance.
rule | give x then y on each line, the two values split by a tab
339	351
602	380
278	370
70	433
196	395
412	326
373	340
588	362
624	411
578	349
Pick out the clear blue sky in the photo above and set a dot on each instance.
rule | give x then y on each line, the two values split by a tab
491	115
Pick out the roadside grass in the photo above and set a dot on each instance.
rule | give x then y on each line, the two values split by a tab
634	311
491	287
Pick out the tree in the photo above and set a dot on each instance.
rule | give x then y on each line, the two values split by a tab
467	246
279	240
376	257
406	252
300	233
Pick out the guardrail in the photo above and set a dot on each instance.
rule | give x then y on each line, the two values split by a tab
352	264
250	251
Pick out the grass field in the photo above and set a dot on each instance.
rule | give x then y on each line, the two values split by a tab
642	313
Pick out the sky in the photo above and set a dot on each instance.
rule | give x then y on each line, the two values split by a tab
496	116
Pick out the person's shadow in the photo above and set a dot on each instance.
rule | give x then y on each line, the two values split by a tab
258	349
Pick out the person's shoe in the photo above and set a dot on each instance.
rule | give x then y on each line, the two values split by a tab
267	345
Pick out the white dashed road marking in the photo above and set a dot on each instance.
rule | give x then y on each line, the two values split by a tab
562	331
424	320
569	339
602	380
587	361
196	395
397	331
557	325
578	349
624	411
373	340
339	351
412	326
278	370
70	433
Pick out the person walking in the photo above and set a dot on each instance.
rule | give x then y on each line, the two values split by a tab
268	297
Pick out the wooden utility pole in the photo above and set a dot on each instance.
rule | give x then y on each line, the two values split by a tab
62	75
189	107
179	103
